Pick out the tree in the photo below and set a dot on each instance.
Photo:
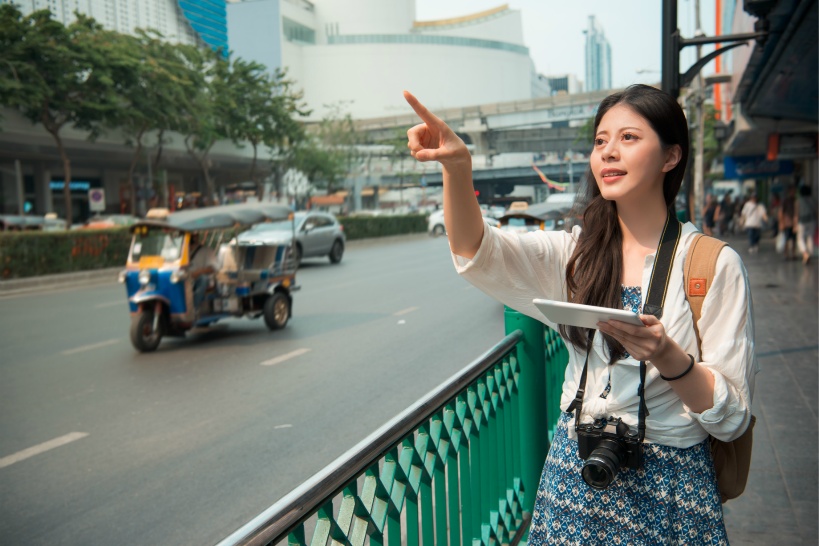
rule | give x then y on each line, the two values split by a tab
330	152
265	106
56	76
210	104
154	87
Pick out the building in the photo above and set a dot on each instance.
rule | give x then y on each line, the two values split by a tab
771	106
598	57
361	54
194	22
564	84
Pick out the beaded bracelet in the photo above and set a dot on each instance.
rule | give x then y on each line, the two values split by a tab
690	367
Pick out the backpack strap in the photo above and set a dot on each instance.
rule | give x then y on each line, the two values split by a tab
698	274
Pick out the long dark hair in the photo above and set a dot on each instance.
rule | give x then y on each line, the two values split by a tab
594	269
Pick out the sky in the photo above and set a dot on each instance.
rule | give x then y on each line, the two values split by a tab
553	31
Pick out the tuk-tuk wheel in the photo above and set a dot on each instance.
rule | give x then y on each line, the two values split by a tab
277	311
143	335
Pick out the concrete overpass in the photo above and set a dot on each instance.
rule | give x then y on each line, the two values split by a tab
543	125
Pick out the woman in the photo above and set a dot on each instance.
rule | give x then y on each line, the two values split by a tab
806	223
787	222
754	217
636	167
709	215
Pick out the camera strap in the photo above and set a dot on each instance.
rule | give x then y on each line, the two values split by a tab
655	299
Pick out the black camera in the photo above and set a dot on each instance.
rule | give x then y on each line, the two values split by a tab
607	445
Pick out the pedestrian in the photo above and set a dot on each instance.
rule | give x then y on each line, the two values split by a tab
202	266
787	223
753	218
776	205
725	214
708	214
636	167
806	222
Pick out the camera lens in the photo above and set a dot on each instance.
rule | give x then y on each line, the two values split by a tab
603	463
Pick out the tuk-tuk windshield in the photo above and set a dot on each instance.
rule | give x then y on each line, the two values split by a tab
157	242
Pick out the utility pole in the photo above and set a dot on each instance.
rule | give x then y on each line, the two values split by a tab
699	100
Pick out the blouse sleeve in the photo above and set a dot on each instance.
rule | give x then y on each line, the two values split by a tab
516	268
726	328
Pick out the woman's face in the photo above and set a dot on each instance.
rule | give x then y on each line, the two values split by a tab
628	160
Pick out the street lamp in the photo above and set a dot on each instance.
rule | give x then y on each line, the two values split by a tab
673	81
673	43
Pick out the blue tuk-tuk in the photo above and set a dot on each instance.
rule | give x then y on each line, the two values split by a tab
253	280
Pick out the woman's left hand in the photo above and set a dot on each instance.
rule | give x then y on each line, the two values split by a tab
642	342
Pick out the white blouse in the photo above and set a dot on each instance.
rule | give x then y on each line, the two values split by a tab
517	268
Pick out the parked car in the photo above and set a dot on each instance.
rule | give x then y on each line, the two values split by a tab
436	227
318	234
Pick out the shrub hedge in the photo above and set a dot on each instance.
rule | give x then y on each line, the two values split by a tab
364	227
33	253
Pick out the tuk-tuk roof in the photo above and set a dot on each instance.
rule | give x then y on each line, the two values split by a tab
220	217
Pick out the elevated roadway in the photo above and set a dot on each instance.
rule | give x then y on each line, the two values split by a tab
542	125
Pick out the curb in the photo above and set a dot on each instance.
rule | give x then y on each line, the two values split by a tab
59	280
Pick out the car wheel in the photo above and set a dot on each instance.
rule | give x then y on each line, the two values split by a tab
277	311
336	252
144	337
439	230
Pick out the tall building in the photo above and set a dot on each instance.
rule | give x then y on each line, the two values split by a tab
361	54
598	57
195	22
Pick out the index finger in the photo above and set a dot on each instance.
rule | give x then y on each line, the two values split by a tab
427	116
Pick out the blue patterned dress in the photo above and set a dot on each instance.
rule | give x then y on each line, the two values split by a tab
672	500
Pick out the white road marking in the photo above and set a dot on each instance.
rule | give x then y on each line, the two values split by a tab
283	426
90	347
110	304
41	448
405	311
402	321
282	358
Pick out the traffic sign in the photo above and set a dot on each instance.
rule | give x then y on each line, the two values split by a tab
96	199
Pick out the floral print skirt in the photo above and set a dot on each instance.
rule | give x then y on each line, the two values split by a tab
672	500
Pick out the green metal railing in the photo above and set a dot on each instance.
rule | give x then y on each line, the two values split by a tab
460	466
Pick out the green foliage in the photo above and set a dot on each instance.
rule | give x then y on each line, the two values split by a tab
363	227
31	253
585	134
94	79
330	152
57	75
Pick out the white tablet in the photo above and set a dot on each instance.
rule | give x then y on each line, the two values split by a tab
585	316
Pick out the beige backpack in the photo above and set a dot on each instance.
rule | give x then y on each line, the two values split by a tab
732	460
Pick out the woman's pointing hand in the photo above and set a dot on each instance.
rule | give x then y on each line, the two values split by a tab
433	140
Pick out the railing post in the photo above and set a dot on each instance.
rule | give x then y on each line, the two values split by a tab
534	436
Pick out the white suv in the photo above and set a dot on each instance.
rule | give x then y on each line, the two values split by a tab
436	227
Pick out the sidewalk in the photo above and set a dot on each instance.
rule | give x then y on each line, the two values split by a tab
780	503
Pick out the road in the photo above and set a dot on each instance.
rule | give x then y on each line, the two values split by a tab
102	445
